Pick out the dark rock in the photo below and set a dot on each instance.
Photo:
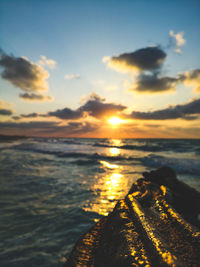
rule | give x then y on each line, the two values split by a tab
155	225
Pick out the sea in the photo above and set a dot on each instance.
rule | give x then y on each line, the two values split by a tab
52	190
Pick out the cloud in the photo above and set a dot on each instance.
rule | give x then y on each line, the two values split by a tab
98	109
152	83
30	128
72	76
96	97
179	40
191	78
3	110
66	114
23	74
155	83
148	62
106	59
47	128
149	58
94	107
31	115
27	125
36	97
44	61
188	111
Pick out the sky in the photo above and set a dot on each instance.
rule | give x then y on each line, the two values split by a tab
101	69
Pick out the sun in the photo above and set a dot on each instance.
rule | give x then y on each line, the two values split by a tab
115	120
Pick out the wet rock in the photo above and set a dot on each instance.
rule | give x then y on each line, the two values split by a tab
155	225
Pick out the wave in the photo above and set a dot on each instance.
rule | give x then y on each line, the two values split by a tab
36	147
182	166
91	158
146	148
85	157
71	142
181	146
85	162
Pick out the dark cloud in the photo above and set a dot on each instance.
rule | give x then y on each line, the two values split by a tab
147	63
152	83
149	58
35	97
40	128
16	118
193	74
31	115
99	109
188	111
28	125
5	112
94	107
96	97
66	114
22	73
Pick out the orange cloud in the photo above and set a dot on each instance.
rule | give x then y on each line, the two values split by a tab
44	61
191	78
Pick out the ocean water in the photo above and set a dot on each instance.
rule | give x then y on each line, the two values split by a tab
53	190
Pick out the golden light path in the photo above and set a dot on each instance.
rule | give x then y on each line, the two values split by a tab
110	187
111	184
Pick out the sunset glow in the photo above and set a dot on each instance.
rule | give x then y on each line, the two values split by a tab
91	85
115	121
95	96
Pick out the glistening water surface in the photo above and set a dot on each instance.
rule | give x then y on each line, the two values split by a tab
53	190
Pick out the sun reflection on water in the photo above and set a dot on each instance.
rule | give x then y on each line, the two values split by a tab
109	188
116	142
113	151
110	185
113	185
108	165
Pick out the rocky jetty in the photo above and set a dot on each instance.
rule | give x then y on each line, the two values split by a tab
155	225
